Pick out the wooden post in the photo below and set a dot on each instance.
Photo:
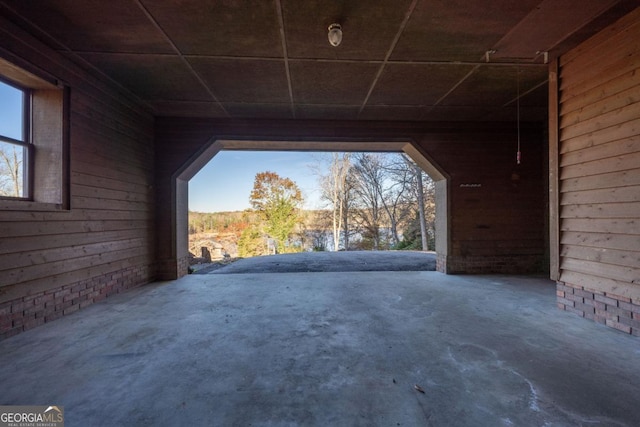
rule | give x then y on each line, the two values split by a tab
554	184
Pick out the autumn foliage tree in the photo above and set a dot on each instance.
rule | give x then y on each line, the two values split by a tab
278	201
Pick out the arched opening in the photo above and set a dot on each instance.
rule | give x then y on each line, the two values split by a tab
180	240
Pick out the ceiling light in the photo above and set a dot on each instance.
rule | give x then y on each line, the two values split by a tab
335	34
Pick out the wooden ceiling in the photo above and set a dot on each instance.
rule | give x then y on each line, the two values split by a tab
416	60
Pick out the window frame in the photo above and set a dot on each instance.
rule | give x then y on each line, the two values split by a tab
25	143
47	138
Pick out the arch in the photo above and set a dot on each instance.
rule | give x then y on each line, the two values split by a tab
180	180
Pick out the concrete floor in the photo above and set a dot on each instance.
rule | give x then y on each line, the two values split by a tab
328	349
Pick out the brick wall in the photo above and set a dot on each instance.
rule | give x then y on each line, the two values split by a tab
33	310
170	269
441	263
609	309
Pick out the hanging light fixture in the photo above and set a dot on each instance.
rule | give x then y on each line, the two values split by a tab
335	34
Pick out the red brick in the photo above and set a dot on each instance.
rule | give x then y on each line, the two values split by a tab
575	311
584	307
572	286
606	300
629	306
606	314
5	324
17	307
47	311
592	316
53	316
18	322
71	309
40	300
71	296
32	323
560	294
618	297
33	309
61	293
5	308
618	326
630	322
576	298
78	287
583	293
619	311
565	302
560	306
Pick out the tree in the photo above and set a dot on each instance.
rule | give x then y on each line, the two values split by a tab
421	190
396	194
278	202
251	243
335	187
10	171
368	177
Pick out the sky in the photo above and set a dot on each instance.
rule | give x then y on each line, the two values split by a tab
225	183
10	111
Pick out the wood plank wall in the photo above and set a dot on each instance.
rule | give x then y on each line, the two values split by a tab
55	262
599	176
498	208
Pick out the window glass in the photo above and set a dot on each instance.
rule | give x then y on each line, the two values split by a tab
12	161
11	112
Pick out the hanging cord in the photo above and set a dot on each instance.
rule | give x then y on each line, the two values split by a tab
518	154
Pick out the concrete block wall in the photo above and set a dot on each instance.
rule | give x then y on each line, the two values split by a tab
609	309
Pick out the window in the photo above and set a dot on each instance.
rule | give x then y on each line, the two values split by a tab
15	150
34	166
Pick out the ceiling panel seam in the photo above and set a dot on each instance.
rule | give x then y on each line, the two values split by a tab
450	91
76	57
407	16
523	94
180	55
285	55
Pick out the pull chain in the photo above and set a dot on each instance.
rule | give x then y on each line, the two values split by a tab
518	154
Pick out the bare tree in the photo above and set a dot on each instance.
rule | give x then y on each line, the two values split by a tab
335	189
421	213
424	194
396	195
368	180
10	170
